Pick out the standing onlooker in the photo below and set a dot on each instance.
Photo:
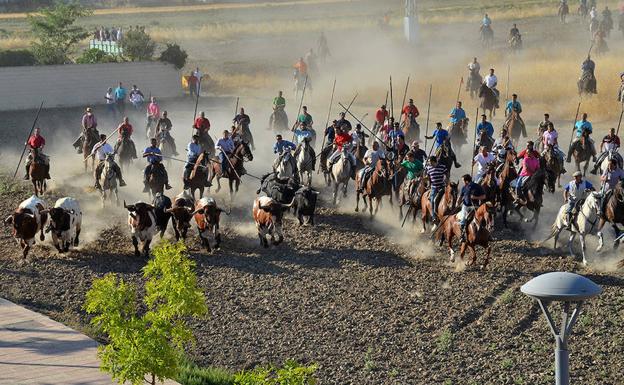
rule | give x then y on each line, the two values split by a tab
119	34
110	102
120	98
198	75
192	84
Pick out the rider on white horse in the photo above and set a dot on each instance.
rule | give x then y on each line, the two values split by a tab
574	193
301	135
610	143
100	151
343	139
163	132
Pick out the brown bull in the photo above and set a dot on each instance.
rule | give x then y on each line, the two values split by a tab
207	216
268	215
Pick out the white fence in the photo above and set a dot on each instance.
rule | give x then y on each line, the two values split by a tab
107	46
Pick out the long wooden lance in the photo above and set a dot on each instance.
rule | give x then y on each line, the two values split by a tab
391	100
575	120
428	111
405	92
474	140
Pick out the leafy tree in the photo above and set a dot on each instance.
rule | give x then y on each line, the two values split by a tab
138	45
174	55
94	55
151	344
55	33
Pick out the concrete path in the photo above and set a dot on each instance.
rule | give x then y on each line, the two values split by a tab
37	350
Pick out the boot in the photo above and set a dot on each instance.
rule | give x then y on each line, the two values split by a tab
457	165
97	185
167	186
122	183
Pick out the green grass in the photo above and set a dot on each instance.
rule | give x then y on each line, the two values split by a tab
191	374
10	186
445	340
369	363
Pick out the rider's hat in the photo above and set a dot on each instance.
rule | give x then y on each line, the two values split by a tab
577	173
89	109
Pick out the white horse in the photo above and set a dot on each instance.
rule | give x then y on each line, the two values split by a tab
304	163
285	165
340	172
108	181
584	224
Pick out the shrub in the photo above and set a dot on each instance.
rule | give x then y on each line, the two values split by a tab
95	55
191	374
174	55
291	374
138	45
18	57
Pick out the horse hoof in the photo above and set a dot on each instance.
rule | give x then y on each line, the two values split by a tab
526	220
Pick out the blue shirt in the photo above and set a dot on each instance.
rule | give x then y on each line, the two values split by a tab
330	132
226	145
301	135
193	150
578	191
440	136
395	134
486	21
457	114
511	105
471	189
153	158
487	126
120	93
582	126
280	145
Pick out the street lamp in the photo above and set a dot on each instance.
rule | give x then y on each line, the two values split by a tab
571	289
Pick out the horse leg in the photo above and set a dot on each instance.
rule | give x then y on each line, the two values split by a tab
335	195
488	252
218	185
449	239
571	244
473	252
617	235
357	201
370	206
535	217
557	237
462	251
135	243
582	237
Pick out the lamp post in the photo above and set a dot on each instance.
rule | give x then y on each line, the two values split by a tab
571	289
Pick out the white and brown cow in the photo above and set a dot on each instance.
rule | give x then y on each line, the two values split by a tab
207	216
182	213
142	222
28	219
268	215
65	223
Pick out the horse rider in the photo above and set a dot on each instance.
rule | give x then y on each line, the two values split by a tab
310	58
414	169
120	98
514	32
163	131
486	22
330	132
582	126
202	126
574	194
281	144
482	160
279	102
100	151
401	149
393	136
136	97
457	114
301	67
359	136
588	68
610	178
193	151
124	131
153	114
620	96
301	135
550	138
35	144
486	126
442	138
436	172
529	149
305	118
491	81
593	14
410	111
419	153
342	122
473	69
610	142
470	193
514	106
543	126
381	115
530	164
225	145
89	122
341	140
370	159
504	142
154	161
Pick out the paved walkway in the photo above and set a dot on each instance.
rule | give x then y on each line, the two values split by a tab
36	350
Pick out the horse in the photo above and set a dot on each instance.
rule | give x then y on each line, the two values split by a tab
483	140
563	12
198	179
612	212
490	185
305	163
506	173
486	36
587	215
245	132
594	24
126	151
515	43
586	84
515	126
488	99
300	82
91	137
340	173
206	142
37	173
241	153
285	165
474	82
552	162
166	148
278	120
410	194
378	185
581	152
108	181
410	128
533	189
478	233
156	180
582	12
445	205
458	132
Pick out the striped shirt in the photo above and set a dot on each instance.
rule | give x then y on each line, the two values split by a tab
436	175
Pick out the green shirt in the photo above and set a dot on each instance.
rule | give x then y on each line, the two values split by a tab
413	168
279	101
307	119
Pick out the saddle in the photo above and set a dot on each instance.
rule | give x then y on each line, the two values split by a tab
157	170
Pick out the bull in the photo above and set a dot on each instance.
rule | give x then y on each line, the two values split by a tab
162	204
207	216
142	222
182	213
304	204
268	215
28	219
65	223
282	190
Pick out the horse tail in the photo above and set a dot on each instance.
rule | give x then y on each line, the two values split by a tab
553	231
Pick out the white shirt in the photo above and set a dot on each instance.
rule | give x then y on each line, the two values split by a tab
606	146
101	150
490	81
474	66
482	161
374	156
110	98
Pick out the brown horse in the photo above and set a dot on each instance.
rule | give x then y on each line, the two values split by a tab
91	137
38	172
156	180
533	191
410	194
198	180
490	185
459	133
478	233
507	174
483	140
515	126
612	212
410	128
241	153
378	185
444	206
552	162
582	152
488	100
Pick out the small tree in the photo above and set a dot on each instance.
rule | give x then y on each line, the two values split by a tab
94	55
174	55
55	33
138	45
151	344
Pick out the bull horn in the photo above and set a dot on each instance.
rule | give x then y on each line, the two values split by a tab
8	220
198	211
315	192
288	205
169	211
44	212
125	205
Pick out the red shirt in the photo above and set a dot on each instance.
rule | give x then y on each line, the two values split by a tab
36	141
614	139
523	154
411	110
381	115
342	139
127	128
202	124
